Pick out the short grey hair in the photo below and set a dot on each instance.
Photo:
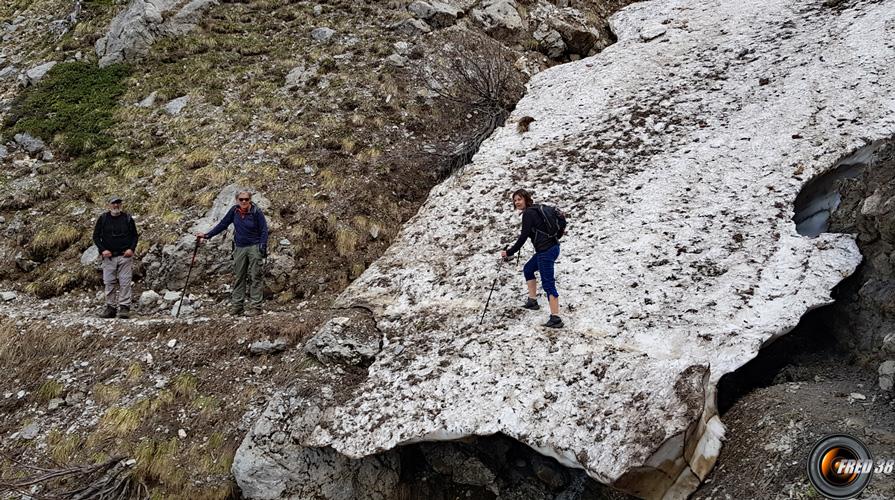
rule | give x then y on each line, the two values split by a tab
238	193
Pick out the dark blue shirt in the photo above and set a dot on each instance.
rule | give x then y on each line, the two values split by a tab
249	230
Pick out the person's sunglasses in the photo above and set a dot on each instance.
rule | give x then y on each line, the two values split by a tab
243	199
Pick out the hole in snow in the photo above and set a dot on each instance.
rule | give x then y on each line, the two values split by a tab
820	196
491	467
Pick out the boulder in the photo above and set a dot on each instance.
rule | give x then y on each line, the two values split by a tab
149	298
682	263
499	17
185	309
30	431
421	10
549	41
268	347
298	76
889	344
132	32
463	468
437	14
90	257
412	27
322	34
397	60
8	296
36	73
148	101
175	106
578	34
349	340
29	143
887	375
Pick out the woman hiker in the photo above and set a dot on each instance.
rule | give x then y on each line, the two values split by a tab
250	248
534	227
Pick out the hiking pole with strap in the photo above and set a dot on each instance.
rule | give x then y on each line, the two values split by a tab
493	283
185	285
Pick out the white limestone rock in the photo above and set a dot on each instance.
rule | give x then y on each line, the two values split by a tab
36	73
133	31
175	106
437	14
90	257
887	375
499	17
29	143
322	34
549	41
148	101
412	27
347	340
149	298
682	259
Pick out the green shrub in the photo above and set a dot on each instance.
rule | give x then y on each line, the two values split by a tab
72	107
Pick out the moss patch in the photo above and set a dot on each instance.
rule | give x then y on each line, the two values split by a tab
72	107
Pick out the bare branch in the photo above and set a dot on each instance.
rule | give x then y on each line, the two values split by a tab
474	76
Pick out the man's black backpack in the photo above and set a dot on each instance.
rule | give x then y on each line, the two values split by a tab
554	219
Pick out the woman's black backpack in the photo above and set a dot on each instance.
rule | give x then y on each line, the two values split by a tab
554	219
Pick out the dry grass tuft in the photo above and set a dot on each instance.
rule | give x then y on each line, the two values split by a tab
198	158
346	240
156	462
119	420
162	399
184	385
53	239
62	446
50	389
106	394
207	405
134	372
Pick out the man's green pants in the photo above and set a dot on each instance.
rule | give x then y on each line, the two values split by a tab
247	268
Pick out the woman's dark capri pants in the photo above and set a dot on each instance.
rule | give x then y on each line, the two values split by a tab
542	262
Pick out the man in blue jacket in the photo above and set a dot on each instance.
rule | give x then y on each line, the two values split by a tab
250	248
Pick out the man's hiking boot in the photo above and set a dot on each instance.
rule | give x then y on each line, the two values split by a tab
124	312
253	312
531	304
235	311
109	312
553	322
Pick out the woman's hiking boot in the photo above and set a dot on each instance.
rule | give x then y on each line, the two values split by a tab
124	312
109	312
554	322
531	304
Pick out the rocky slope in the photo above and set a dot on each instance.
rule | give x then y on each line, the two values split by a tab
679	151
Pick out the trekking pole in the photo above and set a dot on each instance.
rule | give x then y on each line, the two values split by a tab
185	285
492	291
